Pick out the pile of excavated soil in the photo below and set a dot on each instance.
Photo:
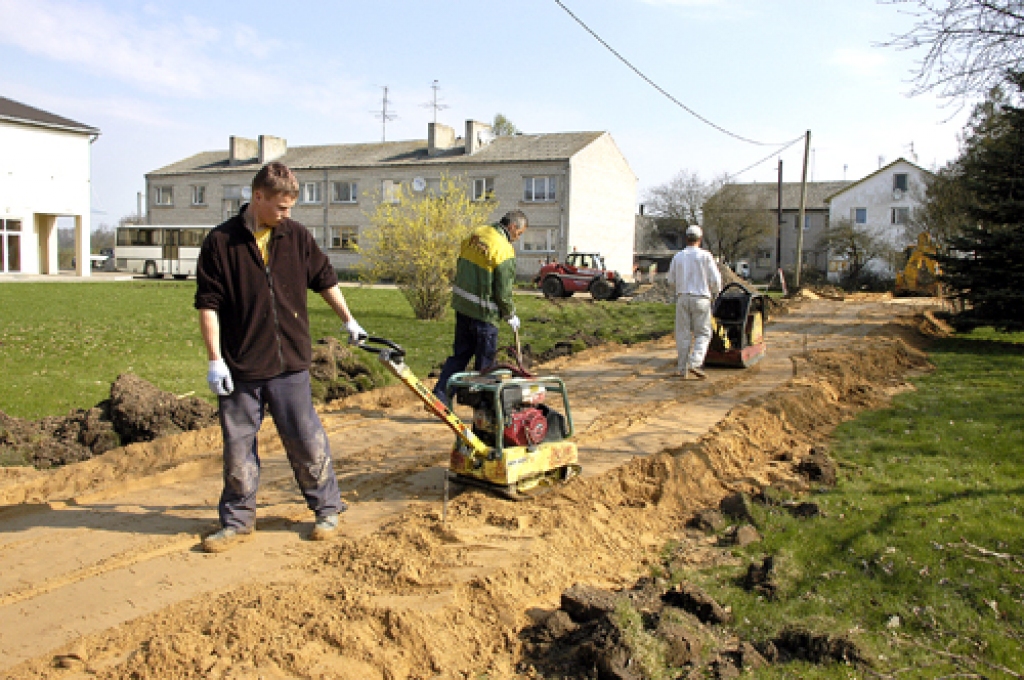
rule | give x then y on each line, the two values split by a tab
337	372
422	599
135	412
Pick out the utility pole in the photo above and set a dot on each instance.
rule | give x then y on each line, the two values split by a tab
434	104
778	226
801	218
385	116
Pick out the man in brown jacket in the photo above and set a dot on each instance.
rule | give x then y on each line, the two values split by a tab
253	274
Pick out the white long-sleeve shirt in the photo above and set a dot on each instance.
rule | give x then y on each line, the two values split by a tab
693	272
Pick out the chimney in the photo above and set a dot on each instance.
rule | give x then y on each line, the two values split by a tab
440	138
272	148
478	135
241	150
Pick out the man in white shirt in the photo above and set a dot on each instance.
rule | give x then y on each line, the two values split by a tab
694	277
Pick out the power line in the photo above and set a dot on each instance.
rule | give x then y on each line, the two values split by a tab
660	89
773	154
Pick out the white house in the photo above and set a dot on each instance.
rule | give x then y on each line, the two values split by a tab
881	204
44	174
576	188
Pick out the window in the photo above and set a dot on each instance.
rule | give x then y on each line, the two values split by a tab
899	181
199	194
539	239
483	188
900	215
344	192
860	215
765	258
344	238
389	190
310	192
235	192
539	189
163	196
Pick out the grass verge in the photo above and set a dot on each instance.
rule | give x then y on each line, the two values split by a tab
62	344
920	553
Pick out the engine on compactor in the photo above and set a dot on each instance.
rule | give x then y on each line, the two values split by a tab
524	418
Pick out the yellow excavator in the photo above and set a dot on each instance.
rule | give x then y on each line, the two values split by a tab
920	276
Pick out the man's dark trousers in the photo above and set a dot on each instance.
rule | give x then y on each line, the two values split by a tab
473	338
305	442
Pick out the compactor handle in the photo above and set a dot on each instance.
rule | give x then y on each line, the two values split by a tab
380	346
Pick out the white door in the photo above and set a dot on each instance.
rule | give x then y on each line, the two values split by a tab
10	246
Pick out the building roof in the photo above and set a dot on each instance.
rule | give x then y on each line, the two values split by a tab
878	172
767	193
528	147
17	112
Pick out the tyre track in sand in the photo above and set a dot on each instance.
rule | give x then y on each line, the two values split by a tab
74	568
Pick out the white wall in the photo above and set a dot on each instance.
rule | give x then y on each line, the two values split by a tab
602	204
875	193
43	173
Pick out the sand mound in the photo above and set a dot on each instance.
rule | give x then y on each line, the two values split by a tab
418	599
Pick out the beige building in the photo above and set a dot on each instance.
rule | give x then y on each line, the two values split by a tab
576	188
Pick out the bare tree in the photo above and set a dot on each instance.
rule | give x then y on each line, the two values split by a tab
678	203
970	45
857	246
736	221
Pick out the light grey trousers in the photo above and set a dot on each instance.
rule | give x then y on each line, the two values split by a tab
693	330
305	443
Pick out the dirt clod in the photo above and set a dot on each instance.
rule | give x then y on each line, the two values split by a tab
818	467
737	506
761	577
708	520
585	603
692	599
797	642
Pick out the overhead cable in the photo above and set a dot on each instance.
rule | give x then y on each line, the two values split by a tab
659	88
773	154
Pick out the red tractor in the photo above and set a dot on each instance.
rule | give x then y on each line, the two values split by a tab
580	272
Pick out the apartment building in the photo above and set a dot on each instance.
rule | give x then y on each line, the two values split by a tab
576	188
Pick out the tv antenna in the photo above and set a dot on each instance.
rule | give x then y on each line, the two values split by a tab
384	115
435	104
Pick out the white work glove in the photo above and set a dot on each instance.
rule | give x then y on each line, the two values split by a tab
513	323
219	378
356	334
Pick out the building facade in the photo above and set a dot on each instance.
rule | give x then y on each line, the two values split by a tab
45	173
765	258
576	188
882	205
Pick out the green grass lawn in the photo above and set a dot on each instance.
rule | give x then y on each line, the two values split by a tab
922	549
62	344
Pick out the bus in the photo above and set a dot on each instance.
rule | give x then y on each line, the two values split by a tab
159	250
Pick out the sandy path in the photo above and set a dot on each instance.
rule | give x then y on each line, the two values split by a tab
70	569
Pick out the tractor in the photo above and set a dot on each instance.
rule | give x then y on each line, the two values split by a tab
581	272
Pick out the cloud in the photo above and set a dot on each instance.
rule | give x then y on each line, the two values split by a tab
154	51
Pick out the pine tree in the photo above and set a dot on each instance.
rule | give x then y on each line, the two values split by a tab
984	265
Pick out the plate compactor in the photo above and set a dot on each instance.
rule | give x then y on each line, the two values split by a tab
738	320
520	437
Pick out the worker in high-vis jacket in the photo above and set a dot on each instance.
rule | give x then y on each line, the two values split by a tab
482	296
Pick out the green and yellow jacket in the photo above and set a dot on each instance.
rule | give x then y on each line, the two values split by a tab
484	275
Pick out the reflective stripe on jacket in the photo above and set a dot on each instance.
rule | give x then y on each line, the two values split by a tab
484	275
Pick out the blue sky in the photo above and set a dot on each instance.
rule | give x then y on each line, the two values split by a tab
164	81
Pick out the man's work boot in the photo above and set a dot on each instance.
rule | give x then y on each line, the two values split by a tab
325	528
699	372
225	539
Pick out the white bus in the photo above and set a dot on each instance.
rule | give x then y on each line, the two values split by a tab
158	250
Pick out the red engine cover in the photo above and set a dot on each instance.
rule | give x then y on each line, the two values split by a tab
528	427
